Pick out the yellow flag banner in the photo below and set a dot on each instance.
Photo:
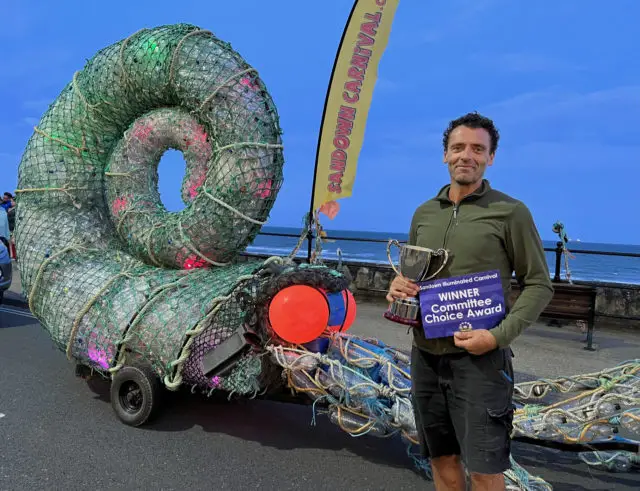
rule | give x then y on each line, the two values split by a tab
348	99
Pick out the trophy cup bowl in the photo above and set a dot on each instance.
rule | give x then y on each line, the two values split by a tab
413	265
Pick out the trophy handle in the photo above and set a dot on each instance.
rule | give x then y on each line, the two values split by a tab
440	252
389	244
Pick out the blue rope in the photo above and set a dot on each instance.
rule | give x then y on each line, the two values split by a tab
420	462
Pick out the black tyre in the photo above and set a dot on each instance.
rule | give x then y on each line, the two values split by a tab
135	394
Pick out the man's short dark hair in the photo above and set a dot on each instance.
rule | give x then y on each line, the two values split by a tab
473	120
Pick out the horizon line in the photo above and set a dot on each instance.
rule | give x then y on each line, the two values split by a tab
574	241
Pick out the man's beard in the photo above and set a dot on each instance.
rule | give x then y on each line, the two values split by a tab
464	180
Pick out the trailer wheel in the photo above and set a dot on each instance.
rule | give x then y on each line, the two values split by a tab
83	371
135	394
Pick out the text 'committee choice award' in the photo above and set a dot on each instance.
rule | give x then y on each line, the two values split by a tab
461	303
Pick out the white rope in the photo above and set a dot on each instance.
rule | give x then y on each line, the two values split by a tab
232	209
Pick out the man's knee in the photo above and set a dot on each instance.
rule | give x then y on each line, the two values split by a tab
448	472
487	482
446	461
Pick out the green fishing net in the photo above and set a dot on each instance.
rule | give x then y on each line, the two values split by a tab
112	275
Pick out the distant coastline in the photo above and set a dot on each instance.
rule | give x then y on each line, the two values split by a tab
404	236
583	267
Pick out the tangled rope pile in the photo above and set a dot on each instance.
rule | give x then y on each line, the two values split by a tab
595	408
364	387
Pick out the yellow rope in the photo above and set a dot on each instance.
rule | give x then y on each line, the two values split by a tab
188	245
210	97
87	307
173	384
129	211
153	297
364	427
41	269
150	253
581	395
123	72
78	150
232	209
249	144
174	55
42	190
64	190
76	88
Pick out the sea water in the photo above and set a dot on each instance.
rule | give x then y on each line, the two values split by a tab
582	267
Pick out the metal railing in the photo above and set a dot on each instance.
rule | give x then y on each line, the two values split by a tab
558	249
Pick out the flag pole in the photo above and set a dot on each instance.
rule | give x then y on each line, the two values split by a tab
324	112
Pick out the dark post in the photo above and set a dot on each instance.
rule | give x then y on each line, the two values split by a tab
324	114
590	322
556	276
309	245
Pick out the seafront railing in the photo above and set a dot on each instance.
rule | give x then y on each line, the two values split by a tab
558	250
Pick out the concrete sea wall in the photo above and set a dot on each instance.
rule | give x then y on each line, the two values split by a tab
617	304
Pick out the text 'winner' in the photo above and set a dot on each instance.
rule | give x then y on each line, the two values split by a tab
461	303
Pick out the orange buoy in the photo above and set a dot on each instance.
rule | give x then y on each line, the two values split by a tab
299	313
342	307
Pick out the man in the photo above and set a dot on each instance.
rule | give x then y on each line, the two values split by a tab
9	205
8	201
463	385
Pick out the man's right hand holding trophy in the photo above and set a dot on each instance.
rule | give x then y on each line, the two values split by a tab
402	288
413	267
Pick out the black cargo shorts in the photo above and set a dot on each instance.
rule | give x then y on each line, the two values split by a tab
463	406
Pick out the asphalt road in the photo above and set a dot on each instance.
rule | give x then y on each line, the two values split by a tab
59	432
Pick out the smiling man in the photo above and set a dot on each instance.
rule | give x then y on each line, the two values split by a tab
462	384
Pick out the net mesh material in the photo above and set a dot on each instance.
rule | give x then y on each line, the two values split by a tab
112	275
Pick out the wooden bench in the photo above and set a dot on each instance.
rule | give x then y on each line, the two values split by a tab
569	302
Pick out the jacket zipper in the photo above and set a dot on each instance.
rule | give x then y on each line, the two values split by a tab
454	216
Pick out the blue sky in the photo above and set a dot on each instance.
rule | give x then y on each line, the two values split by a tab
560	79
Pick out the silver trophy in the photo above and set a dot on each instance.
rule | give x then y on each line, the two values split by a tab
414	265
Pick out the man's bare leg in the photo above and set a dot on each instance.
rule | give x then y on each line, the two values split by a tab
448	474
487	482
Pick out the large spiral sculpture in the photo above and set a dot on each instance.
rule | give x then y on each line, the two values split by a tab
110	273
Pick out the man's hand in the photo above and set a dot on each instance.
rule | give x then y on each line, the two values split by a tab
475	342
402	288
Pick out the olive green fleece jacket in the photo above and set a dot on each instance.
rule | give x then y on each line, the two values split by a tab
487	230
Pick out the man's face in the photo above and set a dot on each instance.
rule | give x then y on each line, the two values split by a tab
468	154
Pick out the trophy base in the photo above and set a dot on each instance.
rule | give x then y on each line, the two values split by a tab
404	311
401	320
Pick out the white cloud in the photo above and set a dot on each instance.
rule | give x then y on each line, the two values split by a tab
605	116
554	100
